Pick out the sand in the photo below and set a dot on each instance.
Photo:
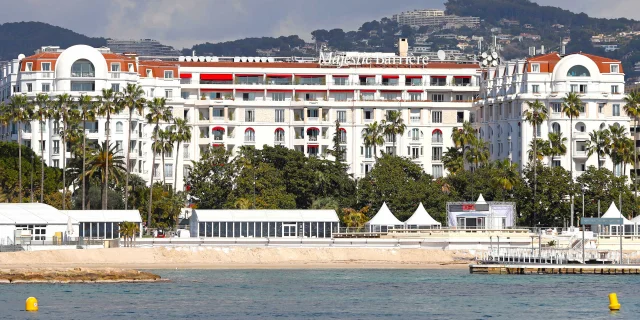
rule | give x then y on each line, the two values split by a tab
238	258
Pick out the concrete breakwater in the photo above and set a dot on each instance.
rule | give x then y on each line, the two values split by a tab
76	275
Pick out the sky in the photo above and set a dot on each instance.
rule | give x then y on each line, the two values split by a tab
183	23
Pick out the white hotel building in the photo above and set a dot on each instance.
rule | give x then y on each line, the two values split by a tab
506	88
233	102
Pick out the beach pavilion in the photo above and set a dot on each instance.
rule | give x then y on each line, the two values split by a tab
481	214
207	223
383	221
613	212
40	221
421	219
102	224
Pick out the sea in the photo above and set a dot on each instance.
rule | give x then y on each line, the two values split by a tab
331	294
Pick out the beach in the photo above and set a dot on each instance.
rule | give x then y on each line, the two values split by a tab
200	257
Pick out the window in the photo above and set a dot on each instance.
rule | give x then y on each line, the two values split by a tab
249	135
535	88
82	69
343	136
119	146
168	170
218	113
29	67
368	152
556	107
615	68
459	97
367	96
555	163
578	71
438	81
390	96
415	96
535	67
342	116
156	170
250	115
130	67
436	153
115	87
415	152
82	86
119	127
436	171
415	134
616	110
277	96
438	97
601	108
312	113
340	96
184	94
168	74
168	93
368	115
341	81
414	117
436	116
56	163
574	88
46	66
555	127
29	87
436	136
614	89
279	115
460	117
149	73
279	135
583	88
248	96
115	67
310	97
46	87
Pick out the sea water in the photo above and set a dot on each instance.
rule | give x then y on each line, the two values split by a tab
331	294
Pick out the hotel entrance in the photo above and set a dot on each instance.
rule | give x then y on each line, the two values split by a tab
289	230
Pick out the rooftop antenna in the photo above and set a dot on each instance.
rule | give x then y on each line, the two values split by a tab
193	53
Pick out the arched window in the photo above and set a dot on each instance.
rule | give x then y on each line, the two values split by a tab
578	71
581	127
555	127
343	135
436	136
279	135
83	69
249	135
415	134
119	126
313	133
499	131
603	126
218	133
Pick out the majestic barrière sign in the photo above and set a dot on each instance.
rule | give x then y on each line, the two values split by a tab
334	60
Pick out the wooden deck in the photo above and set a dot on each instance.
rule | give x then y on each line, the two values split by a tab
602	269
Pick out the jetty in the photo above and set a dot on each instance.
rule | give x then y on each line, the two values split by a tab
603	269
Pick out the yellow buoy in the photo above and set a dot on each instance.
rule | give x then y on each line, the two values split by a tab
31	304
613	302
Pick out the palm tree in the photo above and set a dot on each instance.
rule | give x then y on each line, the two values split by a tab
42	114
165	145
478	152
571	107
181	134
557	145
87	113
453	160
158	112
108	105
536	115
462	137
616	150
393	126
632	108
599	143
540	147
104	163
21	112
129	230
133	100
507	175
62	112
373	136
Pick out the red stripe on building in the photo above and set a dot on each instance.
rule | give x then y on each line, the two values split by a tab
215	76
185	76
386	76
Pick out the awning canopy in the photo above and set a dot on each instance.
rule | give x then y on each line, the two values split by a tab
413	76
104	215
216	76
462	77
185	76
613	212
421	218
384	217
31	213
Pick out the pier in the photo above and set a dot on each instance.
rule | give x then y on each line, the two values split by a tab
606	269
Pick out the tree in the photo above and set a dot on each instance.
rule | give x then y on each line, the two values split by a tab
478	152
158	112
211	181
536	115
452	160
618	144
86	107
632	109
164	145
62	113
106	165
42	114
109	104
557	145
571	107
507	174
181	134
352	218
133	100
21	112
393	125
337	152
463	137
129	231
373	136
599	143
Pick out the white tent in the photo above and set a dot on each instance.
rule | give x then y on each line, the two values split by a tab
421	220
481	200
383	220
613	212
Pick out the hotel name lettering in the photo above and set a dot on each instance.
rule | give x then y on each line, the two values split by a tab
330	59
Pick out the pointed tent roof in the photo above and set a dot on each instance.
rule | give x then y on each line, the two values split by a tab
636	220
481	200
421	218
613	212
384	217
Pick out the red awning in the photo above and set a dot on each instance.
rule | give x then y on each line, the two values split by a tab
218	144
340	76
436	130
343	129
462	77
279	129
217	129
215	76
271	90
313	146
305	90
415	90
438	77
386	76
277	75
367	90
249	129
309	76
313	128
185	76
216	90
413	76
249	90
350	91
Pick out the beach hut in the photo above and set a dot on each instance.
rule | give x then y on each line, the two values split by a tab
35	221
383	221
613	212
422	220
103	224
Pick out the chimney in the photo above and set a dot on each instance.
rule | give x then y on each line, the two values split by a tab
564	50
542	49
403	47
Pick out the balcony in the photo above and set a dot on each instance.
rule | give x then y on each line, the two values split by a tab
579	135
185	155
580	154
56	151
